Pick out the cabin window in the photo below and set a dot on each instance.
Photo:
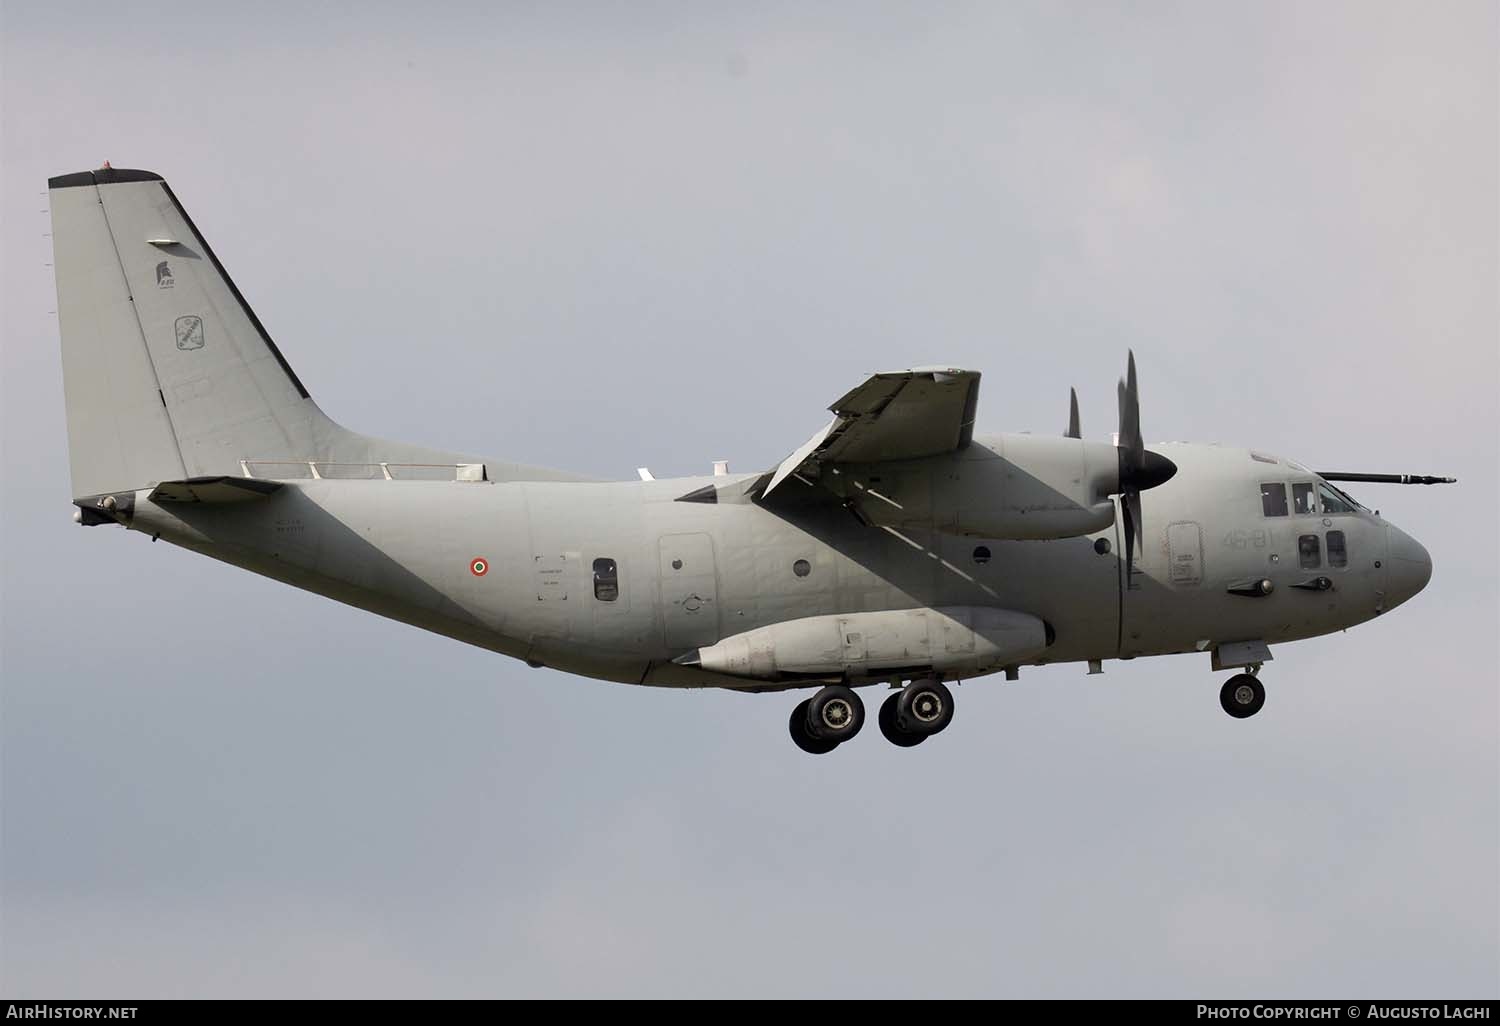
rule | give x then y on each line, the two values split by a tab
802	568
1273	499
1332	501
982	555
1309	552
1302	499
606	580
1338	555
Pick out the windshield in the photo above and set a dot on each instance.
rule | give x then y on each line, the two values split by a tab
1336	500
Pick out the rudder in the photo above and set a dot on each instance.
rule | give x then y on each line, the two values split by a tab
119	431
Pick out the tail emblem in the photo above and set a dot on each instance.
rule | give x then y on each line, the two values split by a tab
164	276
190	332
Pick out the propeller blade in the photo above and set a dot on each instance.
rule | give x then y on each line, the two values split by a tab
1130	416
1073	430
1139	468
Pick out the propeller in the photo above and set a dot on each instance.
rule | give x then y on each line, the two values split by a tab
1140	468
1073	431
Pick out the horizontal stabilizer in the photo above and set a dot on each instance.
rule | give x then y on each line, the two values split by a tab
214	489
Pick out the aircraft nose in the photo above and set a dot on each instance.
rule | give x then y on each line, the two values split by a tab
1409	567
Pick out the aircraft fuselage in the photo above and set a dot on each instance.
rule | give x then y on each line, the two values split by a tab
616	580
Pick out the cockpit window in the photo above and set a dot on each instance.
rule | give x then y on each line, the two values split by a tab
1333	501
1338	551
1273	499
1302	499
1309	552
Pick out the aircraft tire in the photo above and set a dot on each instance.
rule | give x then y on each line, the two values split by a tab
892	731
797	725
1242	696
835	714
924	708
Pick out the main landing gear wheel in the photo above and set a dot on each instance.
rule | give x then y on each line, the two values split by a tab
835	714
1242	695
802	737
888	726
925	708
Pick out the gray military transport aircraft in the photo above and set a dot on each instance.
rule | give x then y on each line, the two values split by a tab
894	546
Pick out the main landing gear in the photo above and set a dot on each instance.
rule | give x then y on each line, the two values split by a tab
1242	695
916	712
907	718
826	720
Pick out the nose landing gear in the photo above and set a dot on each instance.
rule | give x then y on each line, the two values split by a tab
1242	696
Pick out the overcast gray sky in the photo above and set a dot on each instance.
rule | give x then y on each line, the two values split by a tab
602	236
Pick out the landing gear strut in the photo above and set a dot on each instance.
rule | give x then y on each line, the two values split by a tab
1242	696
826	720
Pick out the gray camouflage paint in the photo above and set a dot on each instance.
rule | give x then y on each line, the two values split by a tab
404	550
144	408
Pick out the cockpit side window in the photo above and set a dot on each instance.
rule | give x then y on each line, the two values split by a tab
1338	551
1332	501
1309	552
1302	499
1273	499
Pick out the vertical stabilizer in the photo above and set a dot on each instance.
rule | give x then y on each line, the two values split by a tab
168	373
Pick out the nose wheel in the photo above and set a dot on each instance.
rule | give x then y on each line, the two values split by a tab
1242	696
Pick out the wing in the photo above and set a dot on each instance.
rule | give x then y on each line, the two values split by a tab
897	415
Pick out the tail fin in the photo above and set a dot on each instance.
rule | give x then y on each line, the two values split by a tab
167	372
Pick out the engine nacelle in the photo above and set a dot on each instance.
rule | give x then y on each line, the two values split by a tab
953	641
1004	486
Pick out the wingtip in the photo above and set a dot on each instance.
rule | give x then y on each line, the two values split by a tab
103	176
